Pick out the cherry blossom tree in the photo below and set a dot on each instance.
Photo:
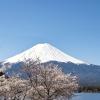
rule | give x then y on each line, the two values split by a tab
13	88
38	82
48	81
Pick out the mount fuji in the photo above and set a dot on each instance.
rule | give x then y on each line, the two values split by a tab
88	73
45	52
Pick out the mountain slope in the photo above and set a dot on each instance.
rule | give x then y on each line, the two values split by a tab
45	52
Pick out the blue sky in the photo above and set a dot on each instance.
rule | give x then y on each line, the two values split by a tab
73	26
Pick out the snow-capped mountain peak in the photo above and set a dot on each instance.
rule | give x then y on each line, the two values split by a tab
45	52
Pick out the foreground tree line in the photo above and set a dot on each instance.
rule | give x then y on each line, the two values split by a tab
38	82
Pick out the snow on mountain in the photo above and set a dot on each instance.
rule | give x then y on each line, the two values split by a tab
45	52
